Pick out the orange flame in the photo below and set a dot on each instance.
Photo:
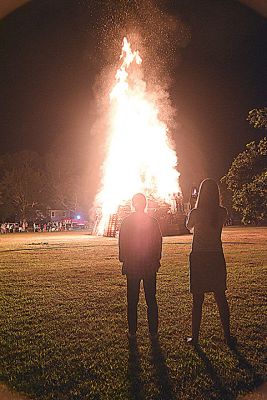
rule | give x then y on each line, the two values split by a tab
140	157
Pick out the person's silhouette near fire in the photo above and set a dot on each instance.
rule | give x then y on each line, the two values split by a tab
207	263
140	245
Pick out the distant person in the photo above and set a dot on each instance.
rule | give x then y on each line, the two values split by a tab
140	244
207	263
3	228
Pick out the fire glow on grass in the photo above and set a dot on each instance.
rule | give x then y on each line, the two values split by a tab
140	157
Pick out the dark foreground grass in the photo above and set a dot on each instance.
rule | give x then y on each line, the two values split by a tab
63	321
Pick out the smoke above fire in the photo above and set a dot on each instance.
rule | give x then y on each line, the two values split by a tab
140	156
135	119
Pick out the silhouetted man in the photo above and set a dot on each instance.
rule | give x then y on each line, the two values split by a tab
140	245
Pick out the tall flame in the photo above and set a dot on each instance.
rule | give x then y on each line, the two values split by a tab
140	157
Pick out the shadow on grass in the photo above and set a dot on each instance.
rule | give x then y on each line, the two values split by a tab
134	372
224	393
161	372
55	247
49	246
243	363
218	385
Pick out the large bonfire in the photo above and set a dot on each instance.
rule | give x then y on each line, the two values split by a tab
140	157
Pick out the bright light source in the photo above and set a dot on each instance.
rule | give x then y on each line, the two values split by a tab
78	217
140	156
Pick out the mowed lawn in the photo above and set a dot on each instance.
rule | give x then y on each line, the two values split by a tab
63	321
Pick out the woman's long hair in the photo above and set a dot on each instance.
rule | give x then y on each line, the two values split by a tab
208	201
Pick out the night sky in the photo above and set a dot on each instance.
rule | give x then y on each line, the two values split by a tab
54	55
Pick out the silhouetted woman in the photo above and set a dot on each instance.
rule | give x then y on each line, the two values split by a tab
207	263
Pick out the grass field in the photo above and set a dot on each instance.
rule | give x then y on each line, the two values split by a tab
63	321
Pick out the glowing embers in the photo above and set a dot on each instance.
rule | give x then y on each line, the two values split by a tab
139	156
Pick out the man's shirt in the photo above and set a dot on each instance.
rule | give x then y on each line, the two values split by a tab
140	244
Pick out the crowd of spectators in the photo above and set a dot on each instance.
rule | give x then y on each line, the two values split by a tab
12	227
56	226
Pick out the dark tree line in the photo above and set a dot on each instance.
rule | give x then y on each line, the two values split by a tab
258	117
247	181
245	184
30	184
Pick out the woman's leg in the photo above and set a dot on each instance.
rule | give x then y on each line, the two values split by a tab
198	299
223	307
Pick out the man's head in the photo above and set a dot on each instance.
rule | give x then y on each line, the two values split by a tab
139	202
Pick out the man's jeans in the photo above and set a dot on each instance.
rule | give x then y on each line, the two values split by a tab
133	289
